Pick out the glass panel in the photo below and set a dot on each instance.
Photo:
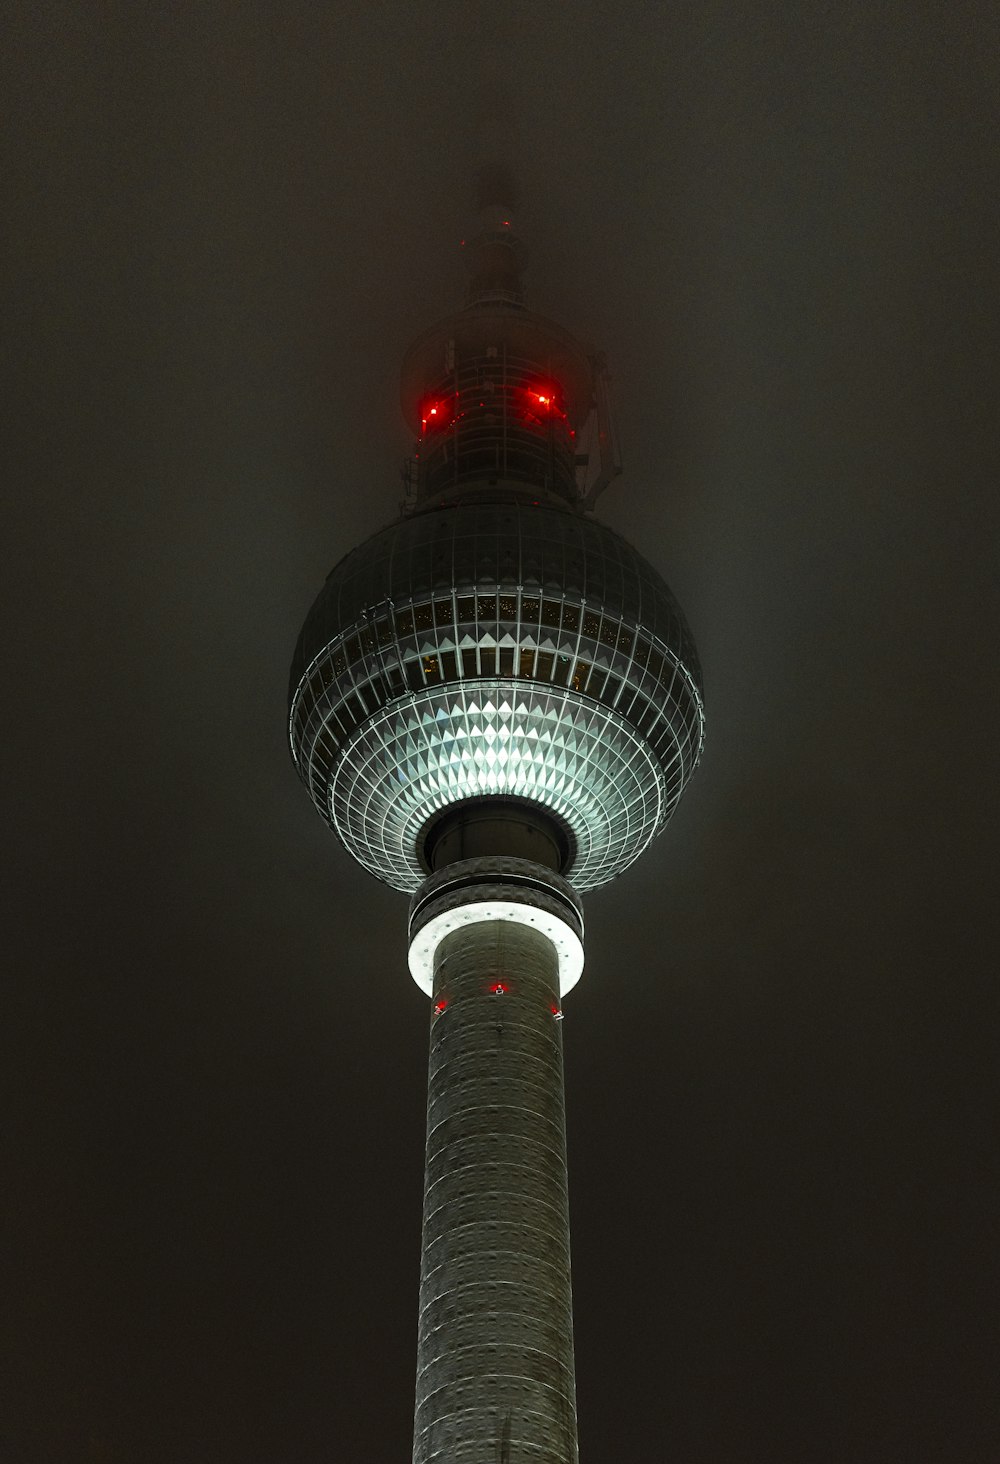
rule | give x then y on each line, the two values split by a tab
611	689
595	685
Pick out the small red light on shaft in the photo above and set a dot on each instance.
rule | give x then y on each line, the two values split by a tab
499	988
440	1005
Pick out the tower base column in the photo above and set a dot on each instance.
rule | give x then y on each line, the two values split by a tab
495	1377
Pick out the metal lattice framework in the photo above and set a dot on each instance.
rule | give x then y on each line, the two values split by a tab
496	649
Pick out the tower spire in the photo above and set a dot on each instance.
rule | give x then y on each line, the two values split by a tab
495	254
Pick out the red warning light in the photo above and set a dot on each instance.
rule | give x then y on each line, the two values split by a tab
440	1005
499	988
557	1012
436	413
542	401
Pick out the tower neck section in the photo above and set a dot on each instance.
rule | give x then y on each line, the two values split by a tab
497	398
503	403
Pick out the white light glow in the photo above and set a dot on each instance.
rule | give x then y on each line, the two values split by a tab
569	947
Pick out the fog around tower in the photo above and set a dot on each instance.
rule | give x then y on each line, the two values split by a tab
225	226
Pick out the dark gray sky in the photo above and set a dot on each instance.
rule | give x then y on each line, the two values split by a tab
224	223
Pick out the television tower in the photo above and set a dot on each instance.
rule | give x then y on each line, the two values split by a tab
495	703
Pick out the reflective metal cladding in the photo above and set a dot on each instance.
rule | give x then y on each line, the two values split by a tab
496	649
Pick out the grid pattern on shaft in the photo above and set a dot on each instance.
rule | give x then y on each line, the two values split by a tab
532	627
495	1373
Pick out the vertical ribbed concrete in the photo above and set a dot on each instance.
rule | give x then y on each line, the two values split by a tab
495	1382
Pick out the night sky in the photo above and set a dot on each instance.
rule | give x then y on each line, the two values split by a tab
223	224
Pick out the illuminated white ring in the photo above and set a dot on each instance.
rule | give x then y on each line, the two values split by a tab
568	945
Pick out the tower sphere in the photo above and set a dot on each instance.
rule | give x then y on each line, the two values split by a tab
500	650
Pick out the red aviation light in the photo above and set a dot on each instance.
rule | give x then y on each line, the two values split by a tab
557	1012
542	402
436	414
499	988
440	1005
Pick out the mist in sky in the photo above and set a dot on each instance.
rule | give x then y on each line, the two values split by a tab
224	224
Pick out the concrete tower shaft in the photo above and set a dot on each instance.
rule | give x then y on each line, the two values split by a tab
495	1376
